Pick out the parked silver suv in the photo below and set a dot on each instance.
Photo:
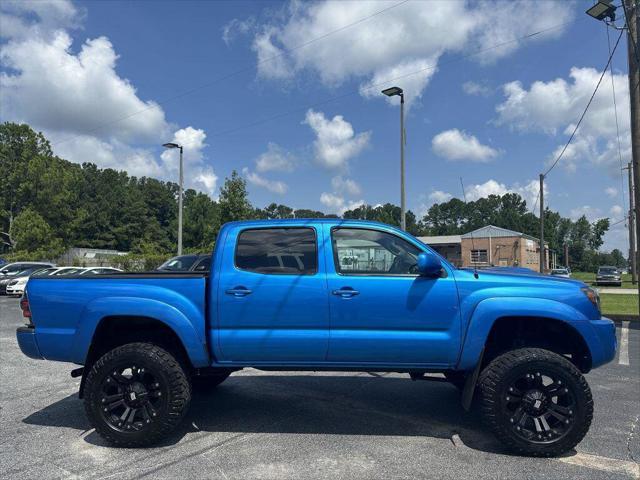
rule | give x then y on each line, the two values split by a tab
609	276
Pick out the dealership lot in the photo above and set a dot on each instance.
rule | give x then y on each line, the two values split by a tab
303	425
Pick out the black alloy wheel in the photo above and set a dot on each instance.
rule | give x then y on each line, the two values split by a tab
136	394
536	402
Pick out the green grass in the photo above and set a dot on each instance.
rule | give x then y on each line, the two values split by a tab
590	279
615	304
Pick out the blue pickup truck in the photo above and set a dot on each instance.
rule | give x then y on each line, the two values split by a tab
332	295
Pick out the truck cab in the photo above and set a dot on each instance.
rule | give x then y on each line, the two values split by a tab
325	294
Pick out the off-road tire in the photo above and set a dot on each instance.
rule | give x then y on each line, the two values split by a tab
494	383
171	378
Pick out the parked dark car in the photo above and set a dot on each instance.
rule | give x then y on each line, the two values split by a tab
24	272
187	263
609	276
15	267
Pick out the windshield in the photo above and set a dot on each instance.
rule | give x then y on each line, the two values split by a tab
559	271
608	270
179	264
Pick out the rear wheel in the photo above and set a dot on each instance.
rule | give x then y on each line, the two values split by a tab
136	394
536	402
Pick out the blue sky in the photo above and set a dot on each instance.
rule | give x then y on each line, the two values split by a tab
109	82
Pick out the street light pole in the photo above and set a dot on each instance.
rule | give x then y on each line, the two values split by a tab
391	92
180	207
403	206
175	145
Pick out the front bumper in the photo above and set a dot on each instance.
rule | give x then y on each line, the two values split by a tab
15	290
605	331
27	342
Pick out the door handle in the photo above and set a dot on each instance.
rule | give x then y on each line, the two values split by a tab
346	292
238	291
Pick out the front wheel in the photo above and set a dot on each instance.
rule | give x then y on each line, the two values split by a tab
536	402
136	394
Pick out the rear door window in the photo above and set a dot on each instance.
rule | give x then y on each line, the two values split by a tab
276	251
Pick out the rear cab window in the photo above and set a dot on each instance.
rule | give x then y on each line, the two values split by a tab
277	251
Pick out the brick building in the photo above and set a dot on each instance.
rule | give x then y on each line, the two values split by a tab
491	246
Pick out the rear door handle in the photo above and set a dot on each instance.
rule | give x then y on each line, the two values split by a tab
238	291
346	292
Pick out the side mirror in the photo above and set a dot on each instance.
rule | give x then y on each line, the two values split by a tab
429	265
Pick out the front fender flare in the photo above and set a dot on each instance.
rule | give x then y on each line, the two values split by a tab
488	311
181	320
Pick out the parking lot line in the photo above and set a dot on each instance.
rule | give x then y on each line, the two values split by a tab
623	354
604	464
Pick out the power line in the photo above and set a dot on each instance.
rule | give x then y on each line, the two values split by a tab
327	100
385	82
236	72
535	204
604	70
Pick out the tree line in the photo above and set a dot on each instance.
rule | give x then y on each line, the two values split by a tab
48	204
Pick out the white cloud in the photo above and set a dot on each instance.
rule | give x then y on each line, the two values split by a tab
438	196
20	18
274	186
616	212
346	185
528	191
336	141
475	88
413	85
79	101
456	145
197	173
56	90
112	154
553	107
275	159
404	39
611	192
337	204
236	28
591	213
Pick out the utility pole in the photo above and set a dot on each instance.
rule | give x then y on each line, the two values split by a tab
633	51
631	220
566	255
542	223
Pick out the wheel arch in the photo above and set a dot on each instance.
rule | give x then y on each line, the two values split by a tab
535	321
131	318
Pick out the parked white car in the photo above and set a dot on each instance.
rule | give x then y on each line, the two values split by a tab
99	271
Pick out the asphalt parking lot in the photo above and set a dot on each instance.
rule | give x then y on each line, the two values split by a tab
302	425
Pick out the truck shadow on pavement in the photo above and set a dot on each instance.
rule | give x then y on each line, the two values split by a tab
366	404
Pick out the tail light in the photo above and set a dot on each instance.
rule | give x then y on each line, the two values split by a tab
26	309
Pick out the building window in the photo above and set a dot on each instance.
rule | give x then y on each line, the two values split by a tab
479	256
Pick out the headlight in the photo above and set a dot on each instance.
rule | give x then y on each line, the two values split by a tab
593	296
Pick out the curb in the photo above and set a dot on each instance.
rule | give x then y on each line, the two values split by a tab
624	318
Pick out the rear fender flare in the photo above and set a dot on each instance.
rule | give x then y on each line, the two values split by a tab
181	320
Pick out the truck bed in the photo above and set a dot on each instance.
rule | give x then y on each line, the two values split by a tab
67	309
